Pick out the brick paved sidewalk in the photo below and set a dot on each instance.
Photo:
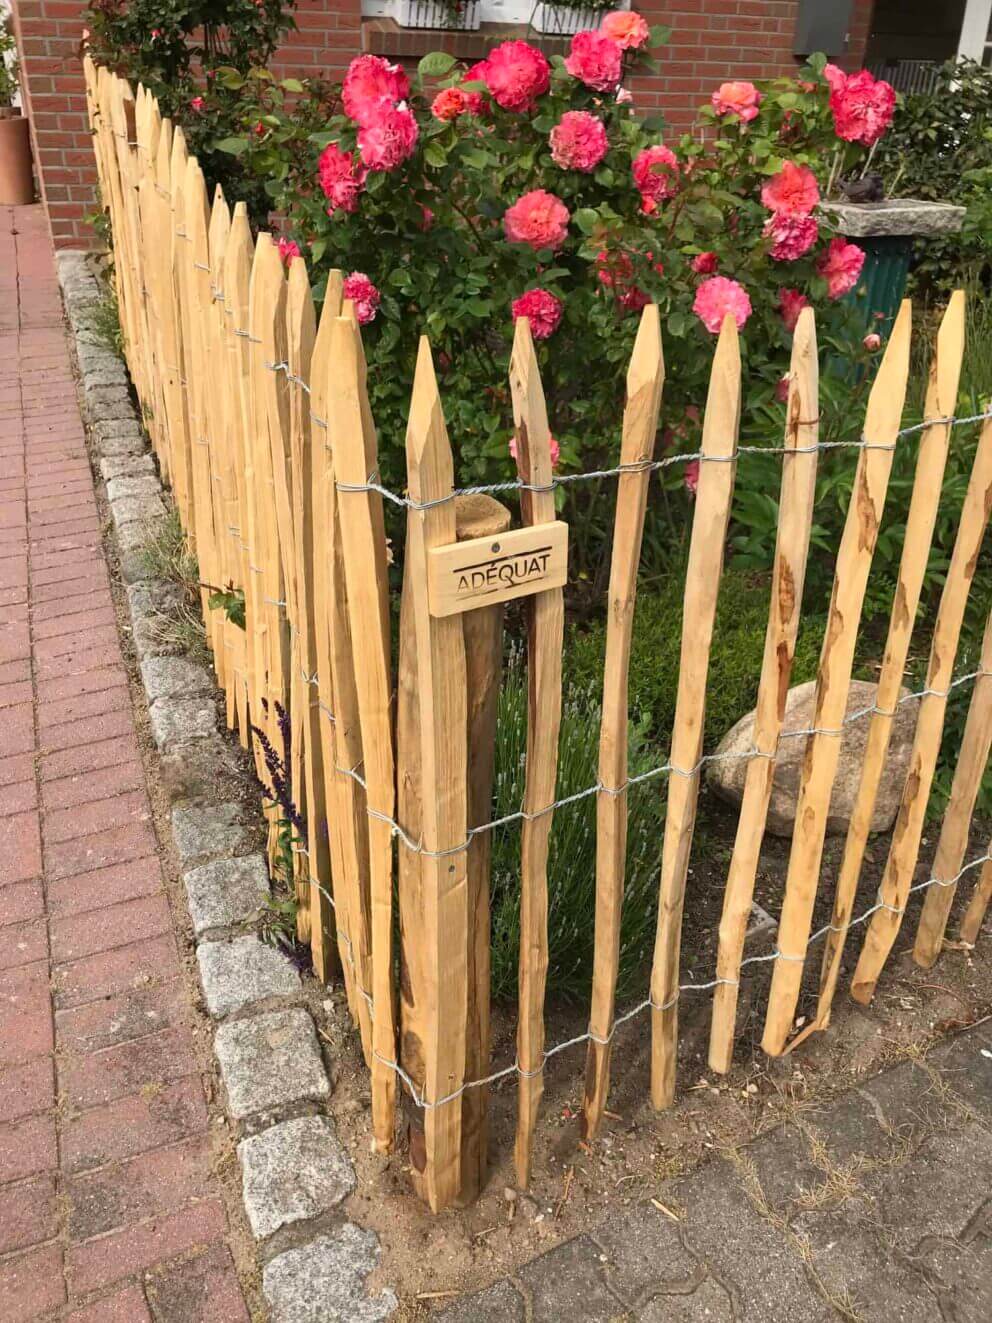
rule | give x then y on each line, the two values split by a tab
109	1212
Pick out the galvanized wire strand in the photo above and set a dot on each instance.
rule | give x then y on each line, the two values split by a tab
664	769
515	1068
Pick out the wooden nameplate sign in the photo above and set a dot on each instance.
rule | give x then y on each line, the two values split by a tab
487	570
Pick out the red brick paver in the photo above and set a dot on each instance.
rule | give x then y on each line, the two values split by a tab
109	1208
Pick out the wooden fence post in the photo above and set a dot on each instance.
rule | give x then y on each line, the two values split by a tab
905	847
702	585
871	480
476	516
645	379
795	520
545	638
364	549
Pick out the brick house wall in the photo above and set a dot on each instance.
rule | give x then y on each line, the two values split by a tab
712	40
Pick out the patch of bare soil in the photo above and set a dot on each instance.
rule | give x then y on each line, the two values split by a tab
429	1260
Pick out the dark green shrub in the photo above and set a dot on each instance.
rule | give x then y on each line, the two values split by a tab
572	862
735	659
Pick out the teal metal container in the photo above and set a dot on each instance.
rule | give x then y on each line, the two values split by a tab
883	280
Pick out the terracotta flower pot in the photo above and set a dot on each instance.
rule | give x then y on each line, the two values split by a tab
16	180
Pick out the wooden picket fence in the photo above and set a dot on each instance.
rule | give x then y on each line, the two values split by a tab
260	421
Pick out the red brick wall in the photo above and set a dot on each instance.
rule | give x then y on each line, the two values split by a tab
716	40
712	40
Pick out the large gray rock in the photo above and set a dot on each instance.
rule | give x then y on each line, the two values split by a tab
226	892
726	775
324	1282
133	485
241	973
903	216
292	1172
269	1061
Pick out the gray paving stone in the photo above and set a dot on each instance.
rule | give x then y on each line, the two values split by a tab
104	374
501	1303
709	1302
784	1166
324	1282
745	1253
241	973
939	1189
136	509
226	892
852	1263
133	485
105	402
174	677
269	1061
134	567
110	429
136	535
205	772
965	1063
129	443
202	834
181	720
961	1274
126	466
641	1251
292	1172
568	1282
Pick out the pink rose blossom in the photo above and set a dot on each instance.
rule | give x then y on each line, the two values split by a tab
156	33
197	104
627	29
541	309
793	190
791	236
841	264
705	264
862	106
388	137
782	389
340	179
449	103
553	447
624	96
691	476
656	175
288	249
475	102
740	99
595	60
616	272
790	305
371	83
515	72
426	217
363	294
872	342
836	78
578	141
718	297
538	218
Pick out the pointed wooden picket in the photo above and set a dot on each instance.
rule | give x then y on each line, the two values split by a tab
941	398
364	553
871	480
702	585
972	762
795	521
907	833
645	379
545	636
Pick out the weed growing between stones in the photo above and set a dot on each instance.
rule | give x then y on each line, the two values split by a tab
277	916
166	555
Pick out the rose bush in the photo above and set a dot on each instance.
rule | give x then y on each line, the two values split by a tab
461	197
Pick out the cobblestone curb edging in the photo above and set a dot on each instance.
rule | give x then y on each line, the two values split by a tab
295	1173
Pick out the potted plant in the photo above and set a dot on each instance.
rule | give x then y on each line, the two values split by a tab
452	15
561	18
16	181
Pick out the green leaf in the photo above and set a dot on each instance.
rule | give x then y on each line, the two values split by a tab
317	250
436	64
291	85
586	218
434	154
233	146
659	35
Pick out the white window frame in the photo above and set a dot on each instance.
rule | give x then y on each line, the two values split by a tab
975	42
